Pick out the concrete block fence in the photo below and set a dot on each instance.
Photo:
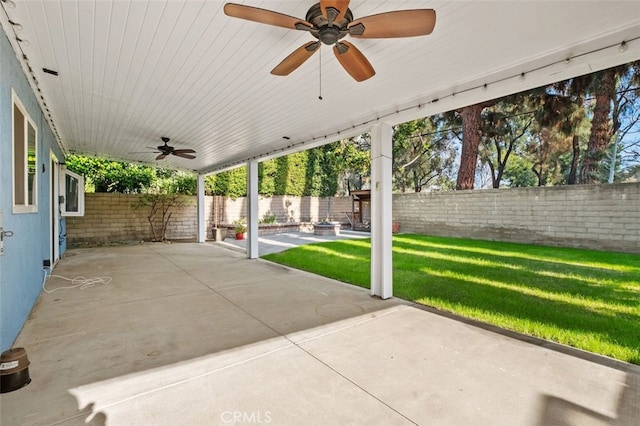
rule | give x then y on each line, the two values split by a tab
110	217
603	217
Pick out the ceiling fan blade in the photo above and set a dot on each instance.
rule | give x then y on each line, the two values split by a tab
295	59
264	16
339	6
183	155
401	23
161	156
184	151
353	61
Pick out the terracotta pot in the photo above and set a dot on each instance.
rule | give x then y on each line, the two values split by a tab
239	236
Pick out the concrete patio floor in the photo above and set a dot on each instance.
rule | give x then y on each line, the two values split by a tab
286	240
196	334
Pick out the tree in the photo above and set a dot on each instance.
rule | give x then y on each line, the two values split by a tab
503	127
232	183
291	173
351	159
422	155
160	201
470	116
105	175
321	178
603	87
559	128
519	173
267	173
625	117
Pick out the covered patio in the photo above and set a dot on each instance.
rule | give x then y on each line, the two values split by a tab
199	334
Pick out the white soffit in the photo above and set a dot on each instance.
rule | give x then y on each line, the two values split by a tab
131	71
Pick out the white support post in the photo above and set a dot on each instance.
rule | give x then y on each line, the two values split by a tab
202	223
252	210
381	211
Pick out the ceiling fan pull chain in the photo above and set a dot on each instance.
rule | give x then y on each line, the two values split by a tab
320	72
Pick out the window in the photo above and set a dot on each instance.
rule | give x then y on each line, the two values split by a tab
25	160
72	203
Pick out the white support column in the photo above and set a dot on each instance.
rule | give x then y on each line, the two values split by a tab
381	211
252	210
202	223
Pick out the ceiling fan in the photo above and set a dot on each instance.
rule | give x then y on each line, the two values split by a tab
165	150
331	20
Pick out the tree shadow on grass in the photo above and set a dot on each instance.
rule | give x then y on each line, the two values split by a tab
568	302
610	287
523	311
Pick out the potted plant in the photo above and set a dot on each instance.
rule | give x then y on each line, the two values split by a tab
241	228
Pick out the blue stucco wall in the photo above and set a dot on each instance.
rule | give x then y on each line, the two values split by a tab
21	272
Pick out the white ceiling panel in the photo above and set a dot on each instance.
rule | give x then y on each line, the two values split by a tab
131	71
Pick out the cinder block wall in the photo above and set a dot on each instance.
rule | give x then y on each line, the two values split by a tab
292	209
605	217
110	217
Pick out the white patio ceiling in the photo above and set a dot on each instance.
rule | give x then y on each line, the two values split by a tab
131	71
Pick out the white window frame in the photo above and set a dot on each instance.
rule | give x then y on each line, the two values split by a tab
64	193
26	207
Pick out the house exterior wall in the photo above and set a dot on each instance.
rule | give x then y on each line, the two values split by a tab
604	217
21	265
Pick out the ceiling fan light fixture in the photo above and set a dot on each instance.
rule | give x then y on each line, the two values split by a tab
330	21
330	35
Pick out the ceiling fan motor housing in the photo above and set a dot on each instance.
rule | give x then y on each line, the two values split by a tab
328	31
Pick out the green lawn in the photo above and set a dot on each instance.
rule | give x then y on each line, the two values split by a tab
582	298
